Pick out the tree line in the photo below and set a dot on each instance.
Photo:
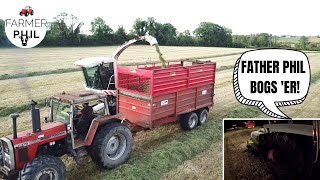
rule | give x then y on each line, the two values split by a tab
65	30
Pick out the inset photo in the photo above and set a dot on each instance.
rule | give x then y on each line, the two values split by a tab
271	148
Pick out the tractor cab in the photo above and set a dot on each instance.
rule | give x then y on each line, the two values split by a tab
68	108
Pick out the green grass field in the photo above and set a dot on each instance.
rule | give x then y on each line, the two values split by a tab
165	152
296	39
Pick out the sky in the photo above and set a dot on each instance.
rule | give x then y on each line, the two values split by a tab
242	17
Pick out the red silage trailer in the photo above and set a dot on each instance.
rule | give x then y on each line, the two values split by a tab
152	96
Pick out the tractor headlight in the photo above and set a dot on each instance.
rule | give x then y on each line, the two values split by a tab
7	158
5	147
8	154
1	154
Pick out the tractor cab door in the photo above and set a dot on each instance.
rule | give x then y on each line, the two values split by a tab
100	77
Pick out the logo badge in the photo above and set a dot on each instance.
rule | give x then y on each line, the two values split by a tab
26	29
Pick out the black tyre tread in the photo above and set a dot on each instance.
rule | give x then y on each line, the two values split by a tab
184	121
29	170
96	149
199	112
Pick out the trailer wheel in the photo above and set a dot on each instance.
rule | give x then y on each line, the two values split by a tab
112	145
44	167
189	121
20	13
203	115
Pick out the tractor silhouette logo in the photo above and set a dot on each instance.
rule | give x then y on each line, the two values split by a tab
26	11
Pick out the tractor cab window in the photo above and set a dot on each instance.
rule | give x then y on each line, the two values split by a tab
100	77
61	111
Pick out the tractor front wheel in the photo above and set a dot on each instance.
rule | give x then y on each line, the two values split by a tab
112	145
31	13
44	167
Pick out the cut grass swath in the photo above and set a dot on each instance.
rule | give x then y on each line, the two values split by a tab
6	111
38	73
168	156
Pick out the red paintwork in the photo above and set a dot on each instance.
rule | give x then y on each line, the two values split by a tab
163	80
48	129
26	9
184	88
91	133
251	124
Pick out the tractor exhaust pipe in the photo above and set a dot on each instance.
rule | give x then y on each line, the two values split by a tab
35	116
14	124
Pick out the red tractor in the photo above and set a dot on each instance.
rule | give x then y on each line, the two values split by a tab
123	99
26	11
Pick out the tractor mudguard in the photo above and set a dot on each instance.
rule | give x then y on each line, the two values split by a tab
96	123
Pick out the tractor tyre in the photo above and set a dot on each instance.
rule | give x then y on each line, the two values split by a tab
20	13
203	115
44	167
31	13
189	121
26	14
112	145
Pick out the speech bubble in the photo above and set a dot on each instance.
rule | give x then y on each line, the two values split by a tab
272	78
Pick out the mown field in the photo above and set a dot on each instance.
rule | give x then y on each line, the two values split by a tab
296	39
165	152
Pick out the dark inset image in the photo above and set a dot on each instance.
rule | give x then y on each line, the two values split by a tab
271	149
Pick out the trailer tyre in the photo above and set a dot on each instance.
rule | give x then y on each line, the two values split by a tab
203	115
112	145
44	167
189	121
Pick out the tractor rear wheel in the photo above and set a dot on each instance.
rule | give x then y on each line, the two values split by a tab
112	145
203	115
26	14
189	121
44	167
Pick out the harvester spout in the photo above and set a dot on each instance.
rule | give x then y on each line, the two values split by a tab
150	39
